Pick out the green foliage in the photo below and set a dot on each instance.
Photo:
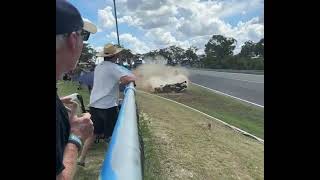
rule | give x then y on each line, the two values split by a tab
87	59
88	54
191	56
248	49
219	47
259	48
219	54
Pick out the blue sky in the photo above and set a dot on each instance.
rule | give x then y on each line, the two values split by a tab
146	25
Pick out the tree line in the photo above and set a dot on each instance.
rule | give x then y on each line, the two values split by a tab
218	54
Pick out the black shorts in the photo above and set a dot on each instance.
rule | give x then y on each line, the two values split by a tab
104	120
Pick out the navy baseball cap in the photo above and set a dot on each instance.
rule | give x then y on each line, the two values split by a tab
68	19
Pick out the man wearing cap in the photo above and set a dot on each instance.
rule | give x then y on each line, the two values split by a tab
104	95
71	130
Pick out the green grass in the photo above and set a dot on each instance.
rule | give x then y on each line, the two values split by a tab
180	145
94	161
68	87
151	160
240	114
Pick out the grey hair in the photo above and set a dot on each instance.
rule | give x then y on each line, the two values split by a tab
60	41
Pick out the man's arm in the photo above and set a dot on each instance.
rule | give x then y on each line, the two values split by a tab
82	127
69	160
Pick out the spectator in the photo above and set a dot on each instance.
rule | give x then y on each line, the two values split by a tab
71	130
87	80
105	94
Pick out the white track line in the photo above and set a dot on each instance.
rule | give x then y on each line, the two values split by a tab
228	95
231	78
244	80
228	125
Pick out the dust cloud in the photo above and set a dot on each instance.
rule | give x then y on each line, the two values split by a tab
153	75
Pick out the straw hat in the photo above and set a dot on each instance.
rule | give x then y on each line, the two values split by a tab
88	26
109	50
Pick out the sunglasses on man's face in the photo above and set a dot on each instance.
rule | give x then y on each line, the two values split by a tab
85	35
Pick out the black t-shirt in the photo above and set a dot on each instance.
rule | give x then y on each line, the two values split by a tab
62	133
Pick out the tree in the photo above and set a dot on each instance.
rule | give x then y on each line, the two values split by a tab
88	54
166	54
174	54
217	48
178	54
191	55
259	48
87	59
248	49
151	53
251	49
126	56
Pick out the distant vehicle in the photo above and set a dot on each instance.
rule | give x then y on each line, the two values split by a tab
168	88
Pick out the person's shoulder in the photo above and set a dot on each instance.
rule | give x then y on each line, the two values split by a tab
102	66
114	67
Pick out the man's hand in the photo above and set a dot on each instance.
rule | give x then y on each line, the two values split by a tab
66	100
70	105
81	126
127	79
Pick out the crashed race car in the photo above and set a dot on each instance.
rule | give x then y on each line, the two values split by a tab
168	88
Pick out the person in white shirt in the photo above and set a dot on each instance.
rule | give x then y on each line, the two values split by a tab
104	95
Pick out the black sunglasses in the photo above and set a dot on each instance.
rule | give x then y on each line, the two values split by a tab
85	35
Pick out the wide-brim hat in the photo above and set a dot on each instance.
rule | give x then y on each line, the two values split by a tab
109	50
90	27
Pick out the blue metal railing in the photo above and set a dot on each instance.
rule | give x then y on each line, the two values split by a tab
123	158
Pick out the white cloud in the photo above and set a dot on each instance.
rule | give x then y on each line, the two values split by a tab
85	19
133	43
183	23
161	37
164	38
156	13
147	14
261	19
132	21
250	30
112	35
106	18
203	27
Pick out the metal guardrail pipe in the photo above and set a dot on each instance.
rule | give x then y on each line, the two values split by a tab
122	160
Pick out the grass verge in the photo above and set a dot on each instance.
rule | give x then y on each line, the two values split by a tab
245	116
182	146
